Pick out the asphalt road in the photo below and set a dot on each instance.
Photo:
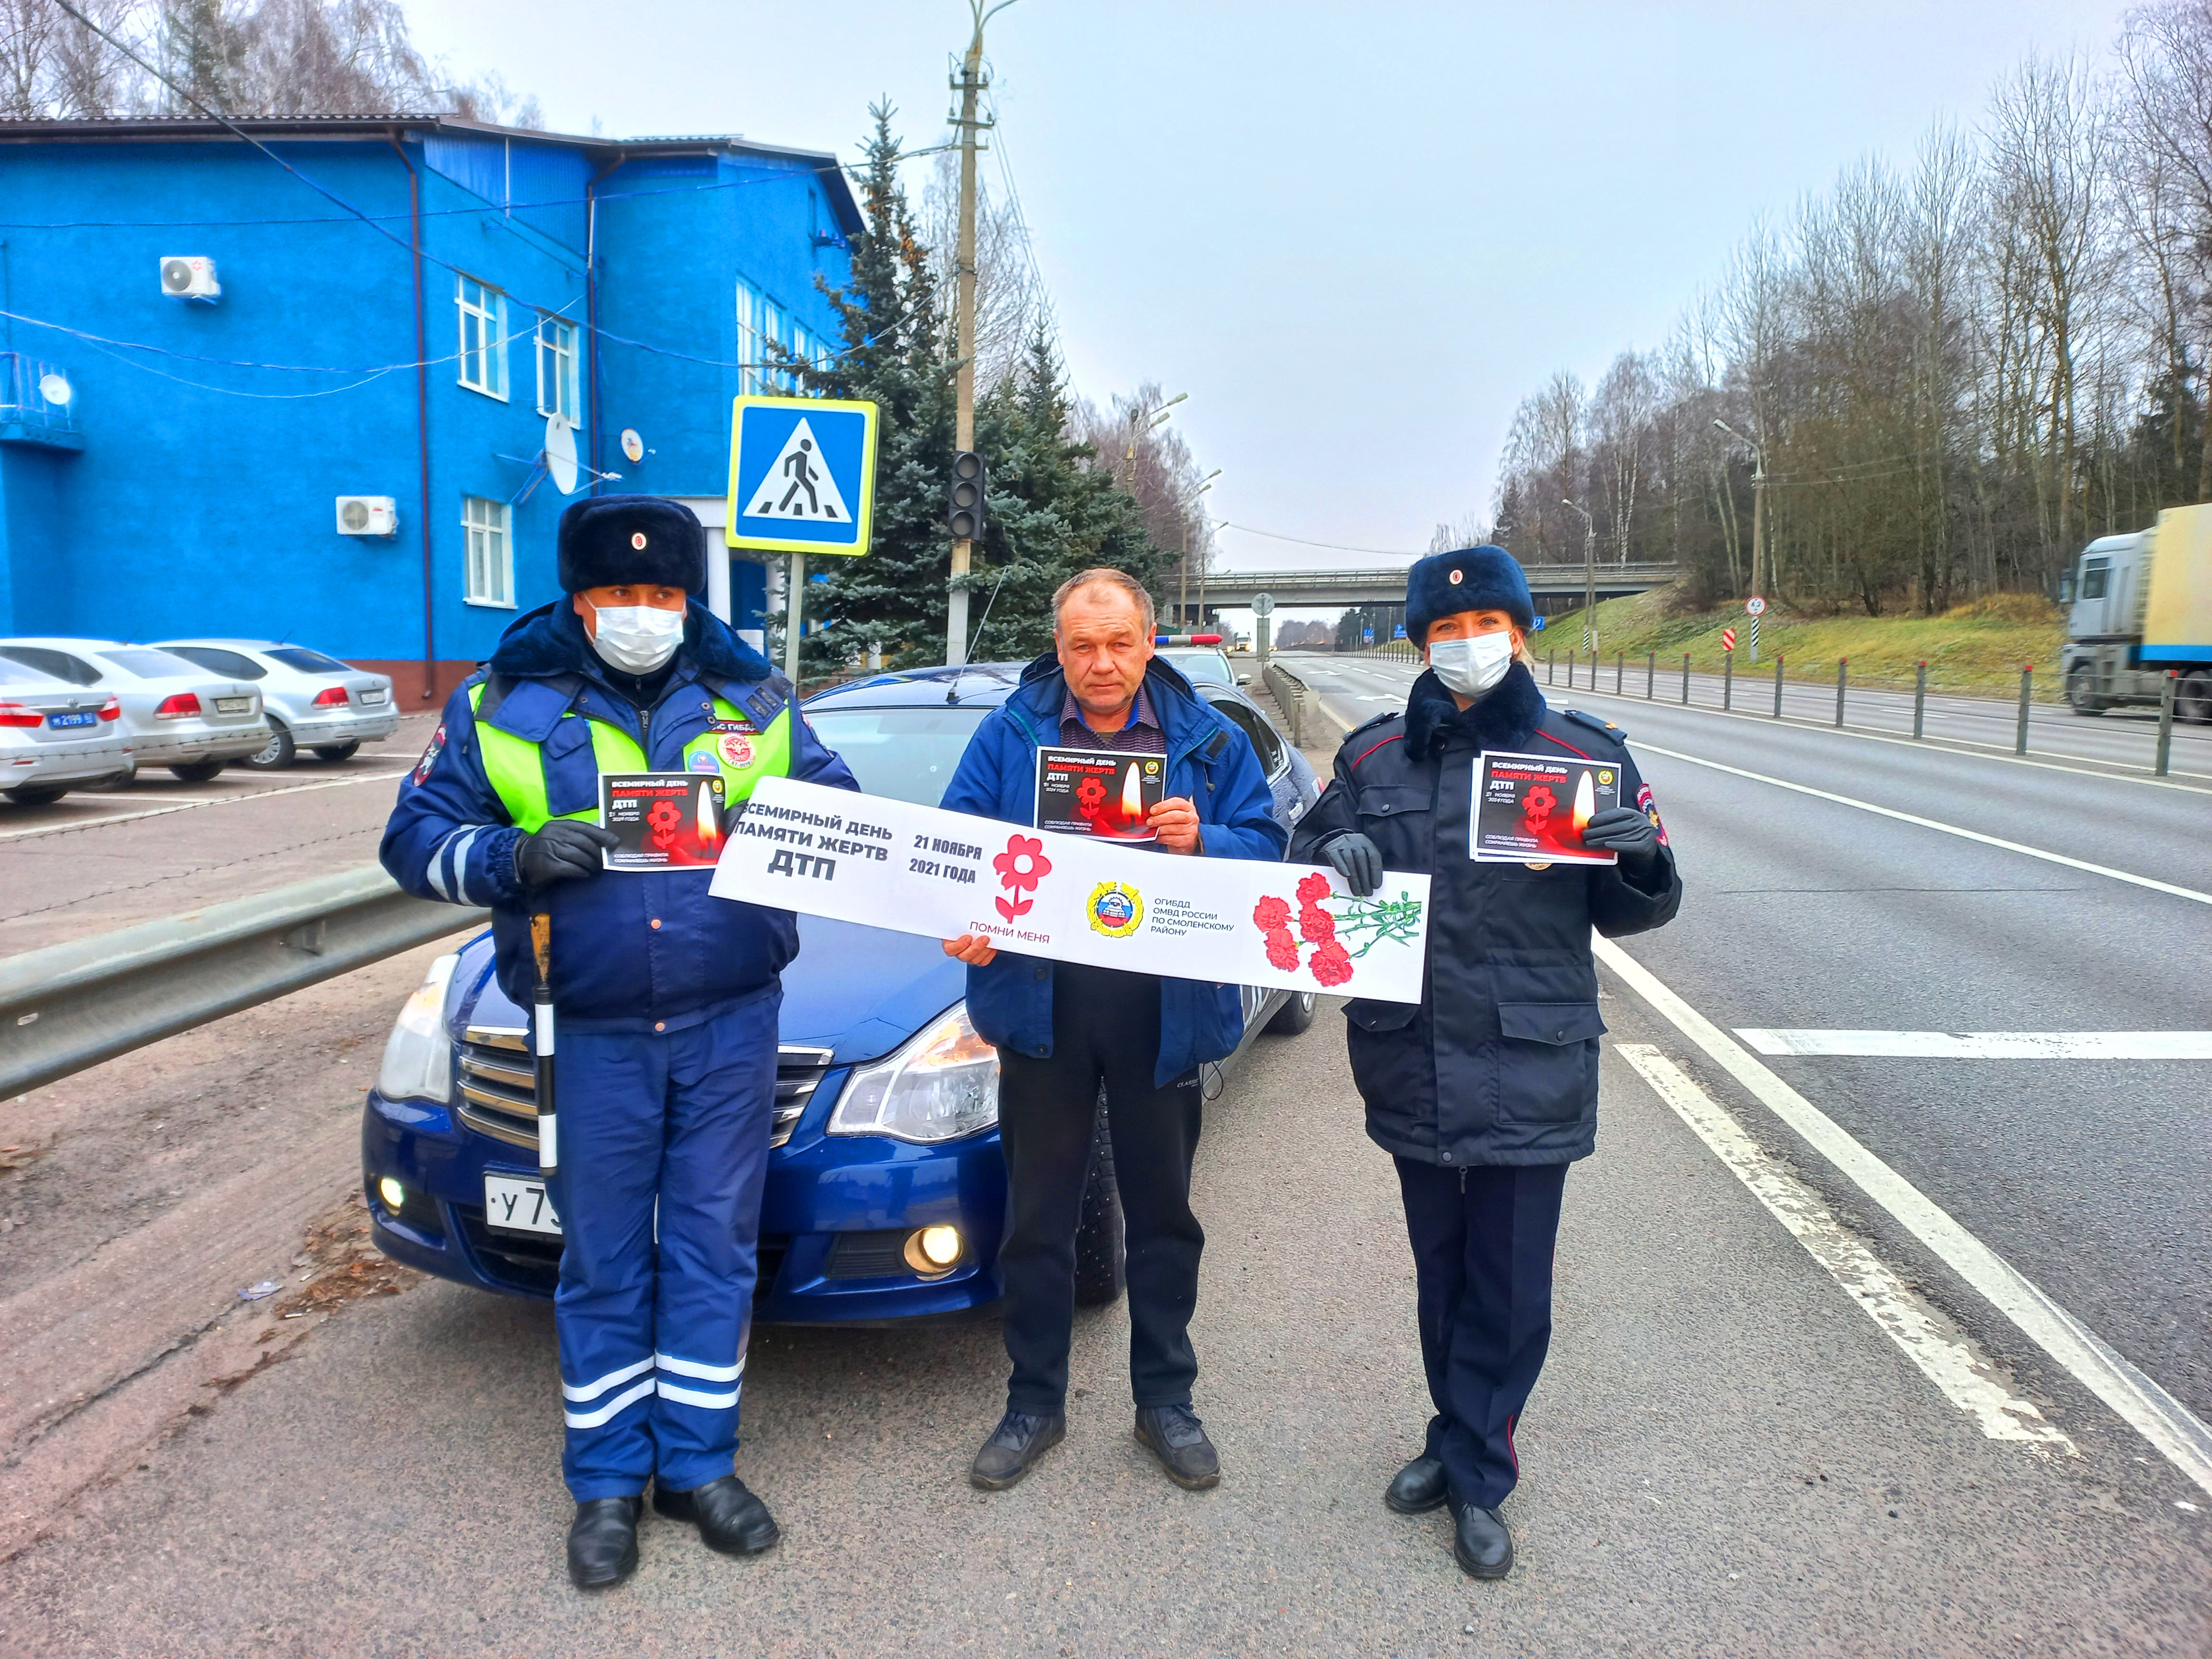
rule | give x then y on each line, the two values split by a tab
1775	1420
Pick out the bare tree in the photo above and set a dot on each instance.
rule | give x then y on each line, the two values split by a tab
1009	297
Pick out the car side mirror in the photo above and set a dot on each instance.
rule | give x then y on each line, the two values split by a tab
1244	680
2066	589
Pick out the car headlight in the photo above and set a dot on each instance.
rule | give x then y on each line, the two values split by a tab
418	1059
941	1085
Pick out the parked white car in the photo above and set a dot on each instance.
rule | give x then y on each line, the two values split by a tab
312	702
54	737
177	713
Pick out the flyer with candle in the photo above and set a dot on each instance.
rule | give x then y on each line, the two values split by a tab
922	869
1530	809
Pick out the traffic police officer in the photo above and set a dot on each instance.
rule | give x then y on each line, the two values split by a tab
667	999
1487	1090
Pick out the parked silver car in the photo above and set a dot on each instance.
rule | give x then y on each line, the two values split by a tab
54	737
177	713
312	702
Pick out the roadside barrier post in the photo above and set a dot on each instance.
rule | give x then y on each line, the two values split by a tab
1919	699
1571	671
1686	679
1843	665
2020	740
1778	685
1620	667
1727	679
1650	675
2165	723
1551	668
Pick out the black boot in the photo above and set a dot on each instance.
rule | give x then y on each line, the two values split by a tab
1419	1487
1177	1439
1480	1544
603	1541
1019	1440
729	1517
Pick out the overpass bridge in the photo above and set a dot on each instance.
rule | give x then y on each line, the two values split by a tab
1555	587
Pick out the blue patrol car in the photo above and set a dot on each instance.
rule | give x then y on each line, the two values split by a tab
886	1189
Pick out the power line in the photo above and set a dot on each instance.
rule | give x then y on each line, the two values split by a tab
1333	547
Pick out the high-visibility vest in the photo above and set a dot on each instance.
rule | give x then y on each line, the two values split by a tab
516	767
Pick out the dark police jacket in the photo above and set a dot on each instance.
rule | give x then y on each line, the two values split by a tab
1498	1064
633	951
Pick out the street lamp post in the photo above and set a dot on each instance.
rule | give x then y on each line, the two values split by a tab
1757	499
1182	568
1589	579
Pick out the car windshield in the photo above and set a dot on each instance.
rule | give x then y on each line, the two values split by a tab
150	664
1201	666
908	754
307	661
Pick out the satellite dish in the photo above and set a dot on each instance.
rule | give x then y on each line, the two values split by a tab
632	445
561	454
55	390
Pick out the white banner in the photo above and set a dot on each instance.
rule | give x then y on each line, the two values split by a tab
1073	898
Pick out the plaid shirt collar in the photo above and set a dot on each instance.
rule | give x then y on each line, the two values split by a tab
1141	719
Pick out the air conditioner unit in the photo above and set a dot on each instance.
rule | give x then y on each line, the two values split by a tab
368	515
189	276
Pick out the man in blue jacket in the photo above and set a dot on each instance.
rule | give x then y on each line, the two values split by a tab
1061	1029
666	997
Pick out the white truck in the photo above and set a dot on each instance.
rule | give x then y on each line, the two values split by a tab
2142	607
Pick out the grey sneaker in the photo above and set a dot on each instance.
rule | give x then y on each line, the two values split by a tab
1018	1441
1175	1436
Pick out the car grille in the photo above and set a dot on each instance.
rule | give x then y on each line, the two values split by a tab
499	1085
531	1262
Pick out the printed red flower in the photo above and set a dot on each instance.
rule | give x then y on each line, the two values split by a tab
1317	924
1022	866
1282	949
1331	964
1313	888
1019	907
1271	913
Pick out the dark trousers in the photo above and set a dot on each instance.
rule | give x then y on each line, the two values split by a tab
1483	1239
1105	1028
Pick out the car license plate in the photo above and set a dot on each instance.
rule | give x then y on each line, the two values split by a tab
234	705
515	1204
369	698
59	721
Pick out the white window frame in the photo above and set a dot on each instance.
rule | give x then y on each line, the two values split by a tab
775	328
557	368
482	315
750	356
488	565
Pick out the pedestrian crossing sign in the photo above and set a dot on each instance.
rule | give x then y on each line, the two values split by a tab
802	475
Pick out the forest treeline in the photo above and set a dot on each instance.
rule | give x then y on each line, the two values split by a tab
1952	371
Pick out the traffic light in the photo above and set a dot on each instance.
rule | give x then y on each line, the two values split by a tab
963	501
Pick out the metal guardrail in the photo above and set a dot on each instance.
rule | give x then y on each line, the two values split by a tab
1289	693
73	1006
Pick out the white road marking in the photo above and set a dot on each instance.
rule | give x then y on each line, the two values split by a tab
2162	1419
1942	1357
1986	1045
1931	823
225	800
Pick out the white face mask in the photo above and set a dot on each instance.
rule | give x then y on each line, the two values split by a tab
1471	666
636	638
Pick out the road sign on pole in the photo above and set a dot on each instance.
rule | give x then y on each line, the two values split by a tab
1728	638
1754	606
1263	604
1754	641
802	475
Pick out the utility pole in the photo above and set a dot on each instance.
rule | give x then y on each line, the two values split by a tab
1758	501
970	84
1183	567
1589	581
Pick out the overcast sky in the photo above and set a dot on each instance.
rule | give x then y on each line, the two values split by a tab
1356	234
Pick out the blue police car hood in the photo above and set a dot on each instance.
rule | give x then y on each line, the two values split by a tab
860	992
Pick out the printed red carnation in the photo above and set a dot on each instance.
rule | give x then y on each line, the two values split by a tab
1282	949
1317	924
1313	888
1271	913
1331	964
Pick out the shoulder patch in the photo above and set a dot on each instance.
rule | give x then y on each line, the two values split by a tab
766	701
1595	723
1369	725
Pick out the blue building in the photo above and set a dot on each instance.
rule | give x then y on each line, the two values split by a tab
229	405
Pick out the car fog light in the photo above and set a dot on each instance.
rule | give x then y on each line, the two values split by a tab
934	1250
394	1194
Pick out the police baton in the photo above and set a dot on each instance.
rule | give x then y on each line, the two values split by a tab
541	946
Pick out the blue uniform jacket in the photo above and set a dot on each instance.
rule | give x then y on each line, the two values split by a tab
1209	761
632	951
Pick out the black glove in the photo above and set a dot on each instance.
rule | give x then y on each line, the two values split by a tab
1357	859
563	850
1625	830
